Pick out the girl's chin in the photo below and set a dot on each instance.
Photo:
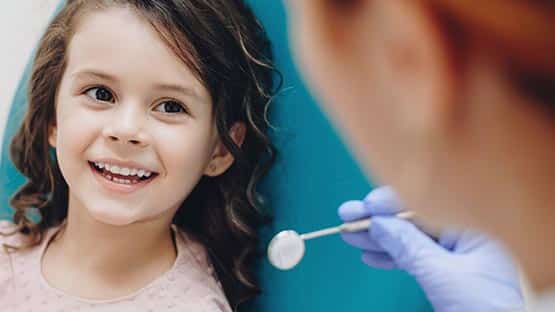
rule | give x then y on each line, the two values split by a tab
114	218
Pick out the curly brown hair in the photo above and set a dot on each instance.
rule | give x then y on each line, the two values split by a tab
226	47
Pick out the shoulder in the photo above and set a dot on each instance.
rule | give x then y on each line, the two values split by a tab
8	236
194	260
13	244
6	225
195	273
211	304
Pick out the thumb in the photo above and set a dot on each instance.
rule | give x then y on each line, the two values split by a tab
404	242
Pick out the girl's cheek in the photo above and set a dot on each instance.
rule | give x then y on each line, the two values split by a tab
75	120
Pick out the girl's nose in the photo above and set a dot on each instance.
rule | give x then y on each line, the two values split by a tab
127	127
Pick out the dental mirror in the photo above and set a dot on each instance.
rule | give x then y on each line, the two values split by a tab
287	248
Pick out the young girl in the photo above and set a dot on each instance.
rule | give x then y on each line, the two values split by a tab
143	144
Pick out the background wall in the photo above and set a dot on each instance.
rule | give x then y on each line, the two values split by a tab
21	24
313	176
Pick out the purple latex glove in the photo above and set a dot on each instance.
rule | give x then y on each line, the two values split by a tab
460	271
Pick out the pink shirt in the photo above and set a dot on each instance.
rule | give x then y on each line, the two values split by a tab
190	285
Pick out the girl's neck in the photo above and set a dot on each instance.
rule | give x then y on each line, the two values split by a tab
112	259
106	248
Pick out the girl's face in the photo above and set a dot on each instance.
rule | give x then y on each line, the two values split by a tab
128	107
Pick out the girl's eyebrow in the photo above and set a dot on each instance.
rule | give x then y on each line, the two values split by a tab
187	91
94	74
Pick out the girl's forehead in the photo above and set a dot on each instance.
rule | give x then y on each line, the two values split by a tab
121	42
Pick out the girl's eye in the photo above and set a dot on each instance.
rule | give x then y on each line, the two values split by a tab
100	94
170	107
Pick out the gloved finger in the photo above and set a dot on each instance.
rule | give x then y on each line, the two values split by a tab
493	254
382	201
403	241
471	240
379	260
352	210
361	240
448	239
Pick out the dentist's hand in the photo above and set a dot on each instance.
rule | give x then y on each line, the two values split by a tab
462	271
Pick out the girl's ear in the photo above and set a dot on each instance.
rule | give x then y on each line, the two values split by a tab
222	159
52	135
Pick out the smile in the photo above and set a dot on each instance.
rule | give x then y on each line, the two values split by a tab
121	179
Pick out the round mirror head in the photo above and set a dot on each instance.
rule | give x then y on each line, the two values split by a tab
286	250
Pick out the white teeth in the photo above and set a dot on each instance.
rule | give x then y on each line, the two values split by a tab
118	180
124	171
122	181
115	169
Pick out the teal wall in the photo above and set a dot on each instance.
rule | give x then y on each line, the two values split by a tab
10	178
313	176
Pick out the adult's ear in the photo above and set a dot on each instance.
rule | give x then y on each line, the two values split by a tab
389	53
221	158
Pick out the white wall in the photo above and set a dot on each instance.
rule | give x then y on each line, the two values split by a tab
21	24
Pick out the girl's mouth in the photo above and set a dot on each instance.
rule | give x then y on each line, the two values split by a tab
122	178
